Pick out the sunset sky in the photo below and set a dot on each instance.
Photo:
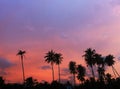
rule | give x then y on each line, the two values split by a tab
66	26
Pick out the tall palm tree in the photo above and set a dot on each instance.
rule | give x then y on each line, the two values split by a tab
72	68
81	73
110	62
99	60
90	59
58	60
21	54
50	58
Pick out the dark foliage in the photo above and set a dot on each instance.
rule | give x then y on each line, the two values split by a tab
88	84
104	81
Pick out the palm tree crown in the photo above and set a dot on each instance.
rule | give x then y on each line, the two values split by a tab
58	58
90	58
50	58
81	72
21	53
72	68
99	59
109	60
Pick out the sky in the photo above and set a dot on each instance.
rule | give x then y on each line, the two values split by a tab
66	26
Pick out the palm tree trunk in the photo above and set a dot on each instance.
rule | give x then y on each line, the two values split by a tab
116	71
59	72
93	72
113	71
52	71
23	68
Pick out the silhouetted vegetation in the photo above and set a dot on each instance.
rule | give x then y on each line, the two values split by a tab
21	54
50	58
90	59
54	58
58	60
91	83
72	68
99	79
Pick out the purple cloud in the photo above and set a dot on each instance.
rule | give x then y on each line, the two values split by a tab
4	63
45	67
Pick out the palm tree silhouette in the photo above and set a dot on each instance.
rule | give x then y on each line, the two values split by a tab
21	54
101	73
30	82
90	59
108	78
110	62
58	60
50	58
81	73
99	60
72	68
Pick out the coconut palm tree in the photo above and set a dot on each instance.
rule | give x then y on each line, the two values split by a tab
21	54
81	73
50	58
99	61
90	59
110	62
72	68
58	60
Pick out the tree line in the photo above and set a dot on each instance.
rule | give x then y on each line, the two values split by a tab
92	59
99	79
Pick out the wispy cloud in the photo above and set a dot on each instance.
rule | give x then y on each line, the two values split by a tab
4	64
45	67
